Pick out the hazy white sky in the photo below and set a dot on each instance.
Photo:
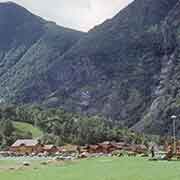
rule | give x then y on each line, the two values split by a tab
76	14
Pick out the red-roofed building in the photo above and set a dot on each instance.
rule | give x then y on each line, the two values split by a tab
51	149
26	146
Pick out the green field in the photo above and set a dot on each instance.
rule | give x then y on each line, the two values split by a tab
24	128
93	169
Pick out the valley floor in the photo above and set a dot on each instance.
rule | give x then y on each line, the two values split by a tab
97	169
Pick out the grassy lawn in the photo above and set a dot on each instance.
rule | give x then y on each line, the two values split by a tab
94	169
23	128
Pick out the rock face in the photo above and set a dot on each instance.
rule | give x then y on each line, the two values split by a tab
121	68
126	69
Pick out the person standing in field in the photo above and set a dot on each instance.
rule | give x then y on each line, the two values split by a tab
152	152
79	150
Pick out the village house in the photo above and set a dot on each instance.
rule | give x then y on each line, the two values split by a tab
141	149
105	147
83	149
121	145
68	149
50	149
108	147
26	146
92	149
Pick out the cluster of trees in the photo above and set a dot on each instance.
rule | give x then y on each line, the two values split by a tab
60	127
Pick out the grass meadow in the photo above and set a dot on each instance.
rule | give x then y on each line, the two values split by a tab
92	169
24	128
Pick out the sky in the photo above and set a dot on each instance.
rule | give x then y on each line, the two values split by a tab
76	14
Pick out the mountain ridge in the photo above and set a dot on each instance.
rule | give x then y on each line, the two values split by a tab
28	35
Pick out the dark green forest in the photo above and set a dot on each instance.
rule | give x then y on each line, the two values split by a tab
60	127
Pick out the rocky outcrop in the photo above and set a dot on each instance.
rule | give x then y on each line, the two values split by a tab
166	103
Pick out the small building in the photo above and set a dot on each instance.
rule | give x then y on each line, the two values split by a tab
68	149
140	149
105	147
26	146
108	147
130	148
50	149
92	149
121	145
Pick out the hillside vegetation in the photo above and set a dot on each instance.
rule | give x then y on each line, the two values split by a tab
25	129
56	126
28	46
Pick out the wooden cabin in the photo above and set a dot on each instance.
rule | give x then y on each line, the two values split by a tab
140	149
83	149
105	147
92	149
50	149
26	146
68	149
108	147
121	145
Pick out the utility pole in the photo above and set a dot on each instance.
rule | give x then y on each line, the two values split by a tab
173	117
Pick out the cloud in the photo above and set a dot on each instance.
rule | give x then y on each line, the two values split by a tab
76	14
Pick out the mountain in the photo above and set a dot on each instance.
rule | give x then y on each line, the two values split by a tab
126	69
118	69
28	46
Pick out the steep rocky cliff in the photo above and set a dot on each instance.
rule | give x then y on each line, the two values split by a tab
166	101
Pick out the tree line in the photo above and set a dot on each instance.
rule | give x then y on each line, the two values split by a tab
60	127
